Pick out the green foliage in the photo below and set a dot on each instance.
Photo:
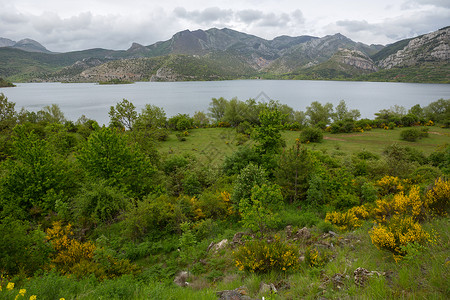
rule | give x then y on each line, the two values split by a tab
8	116
99	201
268	134
438	111
311	135
22	248
295	166
259	212
181	122
249	177
107	156
319	113
413	134
32	176
123	115
155	216
51	114
217	108
152	123
239	159
187	242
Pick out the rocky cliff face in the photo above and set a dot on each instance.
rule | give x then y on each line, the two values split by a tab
430	47
355	59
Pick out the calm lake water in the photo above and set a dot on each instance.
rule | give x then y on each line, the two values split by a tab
93	100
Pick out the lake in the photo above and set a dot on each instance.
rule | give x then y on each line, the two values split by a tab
94	101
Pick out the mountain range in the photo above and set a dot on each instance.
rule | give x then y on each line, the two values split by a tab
217	54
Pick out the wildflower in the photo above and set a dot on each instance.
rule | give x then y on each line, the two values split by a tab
10	286
22	292
33	297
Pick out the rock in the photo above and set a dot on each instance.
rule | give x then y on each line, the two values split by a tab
302	234
237	238
239	293
220	245
267	288
288	231
361	276
181	279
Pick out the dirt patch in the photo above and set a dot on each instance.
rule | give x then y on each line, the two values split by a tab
333	139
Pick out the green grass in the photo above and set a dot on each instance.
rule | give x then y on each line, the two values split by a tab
212	145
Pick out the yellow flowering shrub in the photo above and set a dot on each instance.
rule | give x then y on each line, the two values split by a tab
401	204
68	251
396	234
261	256
83	258
348	220
316	258
437	199
391	185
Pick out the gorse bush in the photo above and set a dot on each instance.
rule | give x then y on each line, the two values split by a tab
351	219
437	199
397	233
261	256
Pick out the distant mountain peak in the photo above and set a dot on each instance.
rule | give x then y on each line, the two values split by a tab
27	44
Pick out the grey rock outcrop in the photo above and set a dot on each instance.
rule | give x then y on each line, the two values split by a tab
430	47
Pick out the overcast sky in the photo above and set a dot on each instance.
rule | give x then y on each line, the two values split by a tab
62	25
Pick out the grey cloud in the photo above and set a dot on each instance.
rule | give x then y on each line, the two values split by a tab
394	29
249	15
272	20
436	3
210	14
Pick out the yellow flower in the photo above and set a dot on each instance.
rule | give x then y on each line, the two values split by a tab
22	292
33	297
10	286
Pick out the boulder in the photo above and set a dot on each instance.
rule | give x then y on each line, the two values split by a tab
181	279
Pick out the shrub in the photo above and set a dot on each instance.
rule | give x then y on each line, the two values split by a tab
316	257
413	134
311	135
401	204
397	234
437	199
348	220
260	256
100	202
239	159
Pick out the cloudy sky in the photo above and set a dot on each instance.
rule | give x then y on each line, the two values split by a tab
67	25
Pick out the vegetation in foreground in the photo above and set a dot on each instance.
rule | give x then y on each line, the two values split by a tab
251	198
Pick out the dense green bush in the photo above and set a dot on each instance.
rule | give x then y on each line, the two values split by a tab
311	135
413	134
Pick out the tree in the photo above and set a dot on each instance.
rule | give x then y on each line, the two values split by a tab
319	113
268	134
107	156
259	211
217	108
342	113
234	112
438	111
293	172
8	116
200	119
152	123
249	177
123	115
34	178
51	114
